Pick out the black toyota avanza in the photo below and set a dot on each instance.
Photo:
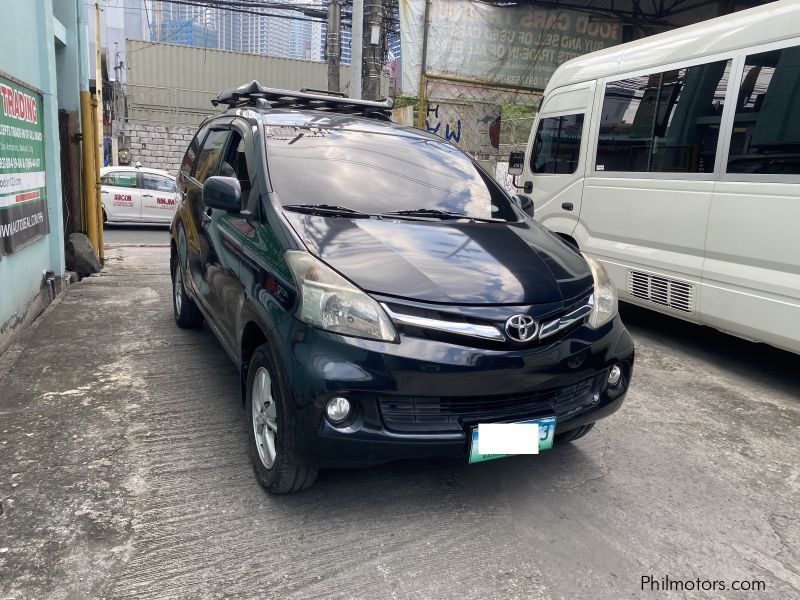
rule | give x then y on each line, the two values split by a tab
382	296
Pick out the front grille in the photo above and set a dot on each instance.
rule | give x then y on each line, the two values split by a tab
452	413
481	327
661	290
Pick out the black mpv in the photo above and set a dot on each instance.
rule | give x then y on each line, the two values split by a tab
381	294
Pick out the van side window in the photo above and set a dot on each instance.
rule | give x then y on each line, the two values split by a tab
766	129
665	122
557	145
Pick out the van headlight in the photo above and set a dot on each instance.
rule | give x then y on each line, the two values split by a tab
605	295
330	302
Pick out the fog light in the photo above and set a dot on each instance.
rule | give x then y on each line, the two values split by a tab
614	375
338	409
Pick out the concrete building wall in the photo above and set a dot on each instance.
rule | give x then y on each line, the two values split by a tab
29	57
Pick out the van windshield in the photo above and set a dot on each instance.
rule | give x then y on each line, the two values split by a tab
378	173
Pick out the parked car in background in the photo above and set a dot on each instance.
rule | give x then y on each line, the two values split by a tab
138	195
673	160
382	296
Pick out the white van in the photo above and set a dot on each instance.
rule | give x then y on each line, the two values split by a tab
675	160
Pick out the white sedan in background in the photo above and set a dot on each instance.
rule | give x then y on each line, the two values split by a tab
138	195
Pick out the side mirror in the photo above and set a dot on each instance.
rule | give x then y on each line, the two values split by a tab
525	203
223	193
516	161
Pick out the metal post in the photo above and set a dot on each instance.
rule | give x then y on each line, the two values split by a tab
100	146
355	48
333	44
373	50
423	76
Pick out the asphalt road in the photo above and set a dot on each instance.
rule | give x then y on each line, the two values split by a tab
134	235
125	474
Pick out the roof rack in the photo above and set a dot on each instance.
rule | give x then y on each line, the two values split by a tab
254	94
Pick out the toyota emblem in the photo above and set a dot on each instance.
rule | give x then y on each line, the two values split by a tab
521	328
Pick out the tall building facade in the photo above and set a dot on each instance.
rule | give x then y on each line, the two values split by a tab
277	32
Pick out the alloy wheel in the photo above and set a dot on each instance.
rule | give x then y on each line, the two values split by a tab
265	417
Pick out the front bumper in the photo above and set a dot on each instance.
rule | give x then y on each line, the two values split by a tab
420	398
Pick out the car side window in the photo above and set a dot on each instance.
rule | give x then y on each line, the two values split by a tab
235	164
158	183
120	179
191	152
208	158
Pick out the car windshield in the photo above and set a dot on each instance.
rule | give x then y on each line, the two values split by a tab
378	173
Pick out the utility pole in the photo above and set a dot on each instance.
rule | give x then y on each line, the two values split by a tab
423	75
99	149
373	48
356	41
333	44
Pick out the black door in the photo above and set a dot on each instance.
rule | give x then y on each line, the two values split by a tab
212	256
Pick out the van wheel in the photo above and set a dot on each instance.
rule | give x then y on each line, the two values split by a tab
573	434
271	428
186	313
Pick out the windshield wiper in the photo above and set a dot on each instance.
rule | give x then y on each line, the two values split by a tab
328	210
435	213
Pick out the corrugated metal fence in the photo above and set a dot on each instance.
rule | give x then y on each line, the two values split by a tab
167	83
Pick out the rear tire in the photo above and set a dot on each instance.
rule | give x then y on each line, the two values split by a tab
573	434
187	315
271	428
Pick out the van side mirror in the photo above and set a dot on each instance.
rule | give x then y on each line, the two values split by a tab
516	161
525	203
224	193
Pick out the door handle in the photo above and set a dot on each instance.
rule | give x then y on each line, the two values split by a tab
567	206
147	195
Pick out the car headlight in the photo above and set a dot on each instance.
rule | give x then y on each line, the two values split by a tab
330	302
605	295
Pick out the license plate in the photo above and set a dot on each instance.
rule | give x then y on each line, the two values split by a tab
546	431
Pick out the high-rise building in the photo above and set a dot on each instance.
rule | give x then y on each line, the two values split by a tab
182	24
347	38
289	35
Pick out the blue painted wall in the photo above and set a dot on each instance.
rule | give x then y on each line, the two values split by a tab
27	53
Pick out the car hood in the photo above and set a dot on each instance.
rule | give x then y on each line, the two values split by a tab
452	262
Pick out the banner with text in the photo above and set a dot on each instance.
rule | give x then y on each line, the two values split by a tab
23	189
518	46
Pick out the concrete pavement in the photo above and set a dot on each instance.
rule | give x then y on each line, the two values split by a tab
125	474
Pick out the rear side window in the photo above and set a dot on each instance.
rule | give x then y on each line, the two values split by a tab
157	182
208	158
665	122
557	145
120	179
766	129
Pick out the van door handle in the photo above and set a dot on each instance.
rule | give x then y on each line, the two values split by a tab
567	206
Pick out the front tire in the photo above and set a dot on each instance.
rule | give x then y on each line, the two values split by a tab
187	315
271	428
